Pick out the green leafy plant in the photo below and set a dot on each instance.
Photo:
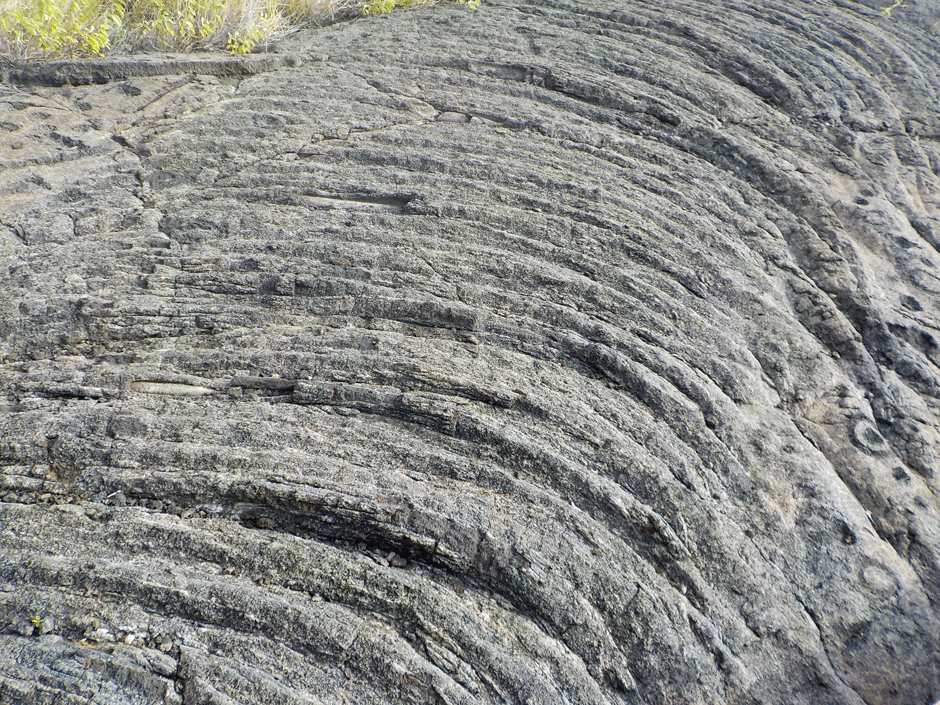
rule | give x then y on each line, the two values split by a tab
53	27
886	10
181	25
44	29
242	41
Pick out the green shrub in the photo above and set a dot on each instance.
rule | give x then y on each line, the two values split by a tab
55	28
46	29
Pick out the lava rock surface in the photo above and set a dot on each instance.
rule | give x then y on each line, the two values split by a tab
553	352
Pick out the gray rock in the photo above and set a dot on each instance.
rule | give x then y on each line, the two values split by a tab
557	352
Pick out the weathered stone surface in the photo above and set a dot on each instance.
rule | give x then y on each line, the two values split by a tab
559	352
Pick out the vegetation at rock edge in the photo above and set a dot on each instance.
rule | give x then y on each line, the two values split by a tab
49	29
